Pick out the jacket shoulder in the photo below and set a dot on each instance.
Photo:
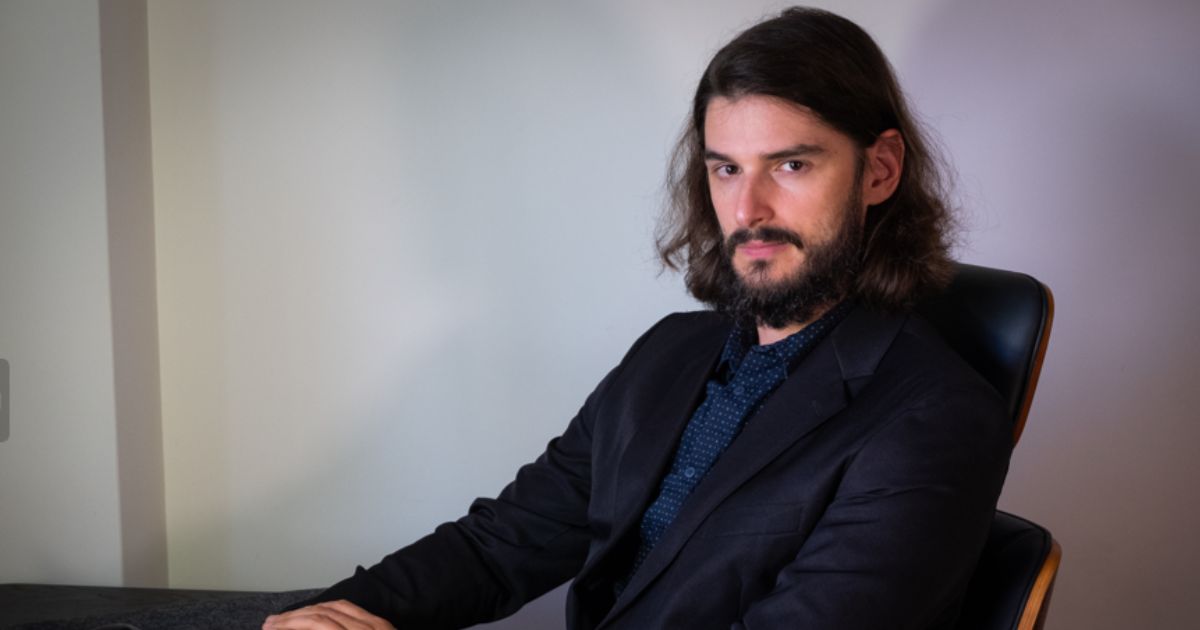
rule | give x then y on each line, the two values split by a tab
684	330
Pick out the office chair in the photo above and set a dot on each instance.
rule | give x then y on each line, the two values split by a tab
999	321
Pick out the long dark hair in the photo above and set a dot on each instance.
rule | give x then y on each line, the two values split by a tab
829	65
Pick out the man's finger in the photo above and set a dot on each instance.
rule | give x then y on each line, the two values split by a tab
310	618
358	614
339	615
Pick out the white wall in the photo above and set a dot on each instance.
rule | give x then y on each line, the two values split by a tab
397	247
398	242
58	473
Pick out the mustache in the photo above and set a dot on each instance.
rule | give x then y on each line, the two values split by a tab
766	234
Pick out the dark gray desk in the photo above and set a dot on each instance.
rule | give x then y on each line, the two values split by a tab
53	607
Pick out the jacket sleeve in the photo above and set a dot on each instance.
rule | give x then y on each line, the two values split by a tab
898	543
505	552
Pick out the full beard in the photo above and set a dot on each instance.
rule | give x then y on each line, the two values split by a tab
825	277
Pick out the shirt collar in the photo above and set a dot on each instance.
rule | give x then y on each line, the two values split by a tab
788	351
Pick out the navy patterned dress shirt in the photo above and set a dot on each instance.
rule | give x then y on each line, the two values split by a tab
745	375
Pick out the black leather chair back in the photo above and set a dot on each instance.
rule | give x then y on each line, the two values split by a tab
999	321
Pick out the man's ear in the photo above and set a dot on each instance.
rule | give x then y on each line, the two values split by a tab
884	163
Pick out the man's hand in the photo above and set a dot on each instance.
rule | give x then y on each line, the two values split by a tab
339	615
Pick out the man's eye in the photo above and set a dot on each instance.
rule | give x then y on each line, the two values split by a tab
725	170
793	165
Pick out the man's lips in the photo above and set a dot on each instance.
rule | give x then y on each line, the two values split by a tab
761	249
762	242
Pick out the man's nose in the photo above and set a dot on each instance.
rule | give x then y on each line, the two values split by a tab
753	207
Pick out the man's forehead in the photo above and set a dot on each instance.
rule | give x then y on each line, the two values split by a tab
766	125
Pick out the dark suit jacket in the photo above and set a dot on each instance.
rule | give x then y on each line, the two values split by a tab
859	496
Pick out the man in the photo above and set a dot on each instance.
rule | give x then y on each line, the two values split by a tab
805	455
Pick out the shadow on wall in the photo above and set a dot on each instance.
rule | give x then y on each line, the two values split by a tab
1073	125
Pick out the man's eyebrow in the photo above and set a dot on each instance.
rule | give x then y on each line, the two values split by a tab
797	150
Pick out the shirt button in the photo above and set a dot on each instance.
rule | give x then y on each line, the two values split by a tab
689	472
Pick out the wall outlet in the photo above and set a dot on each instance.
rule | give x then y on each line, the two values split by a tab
3	400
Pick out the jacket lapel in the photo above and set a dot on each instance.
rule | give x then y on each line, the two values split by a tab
656	432
817	390
644	462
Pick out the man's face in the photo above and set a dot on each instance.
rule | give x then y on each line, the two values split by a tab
787	189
